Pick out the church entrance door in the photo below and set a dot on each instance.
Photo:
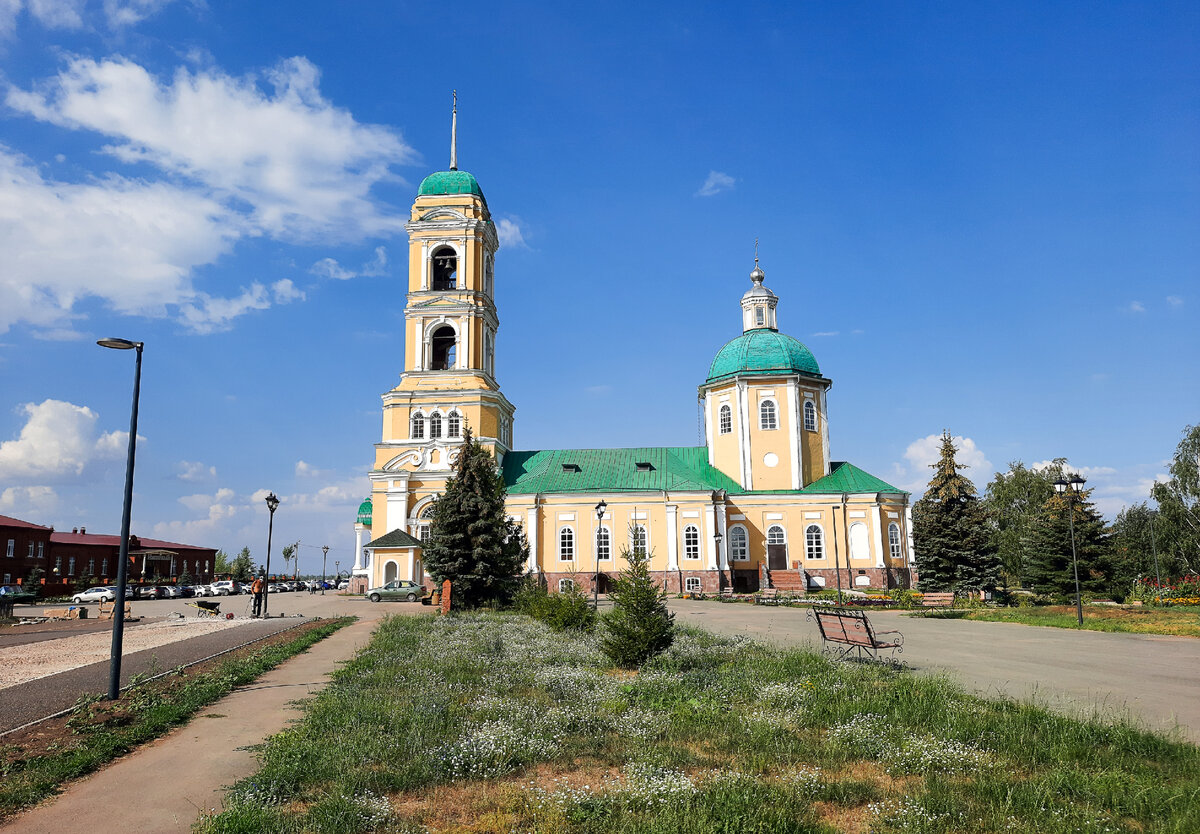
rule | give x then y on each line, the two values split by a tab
777	556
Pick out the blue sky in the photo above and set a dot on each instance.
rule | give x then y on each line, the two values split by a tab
979	217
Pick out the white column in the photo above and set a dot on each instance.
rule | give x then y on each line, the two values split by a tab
531	535
723	549
824	416
360	538
672	539
878	535
908	557
710	517
708	427
797	433
412	565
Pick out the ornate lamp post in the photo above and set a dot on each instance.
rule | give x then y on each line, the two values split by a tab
721	571
337	573
324	557
1070	490
272	506
600	508
118	632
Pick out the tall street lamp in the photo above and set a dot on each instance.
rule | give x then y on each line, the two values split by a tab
337	573
118	632
600	508
720	568
324	556
1071	490
272	506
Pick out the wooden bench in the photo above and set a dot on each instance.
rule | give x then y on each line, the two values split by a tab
107	608
938	600
727	594
768	596
846	632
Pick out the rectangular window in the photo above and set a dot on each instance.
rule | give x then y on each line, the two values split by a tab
104	566
691	543
758	315
31	550
12	546
41	550
8	579
692	583
71	566
91	567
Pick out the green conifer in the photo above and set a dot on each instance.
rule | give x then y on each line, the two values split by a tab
639	626
951	540
472	542
1050	568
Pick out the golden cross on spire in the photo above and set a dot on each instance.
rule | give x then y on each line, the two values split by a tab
756	253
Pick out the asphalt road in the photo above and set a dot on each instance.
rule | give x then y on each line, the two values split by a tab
1152	679
35	699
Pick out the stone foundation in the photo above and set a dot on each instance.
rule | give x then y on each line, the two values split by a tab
674	581
861	579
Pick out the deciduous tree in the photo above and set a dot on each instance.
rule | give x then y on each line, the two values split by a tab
473	543
1178	520
1015	501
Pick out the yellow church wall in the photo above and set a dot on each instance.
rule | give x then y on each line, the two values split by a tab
811	443
726	447
770	441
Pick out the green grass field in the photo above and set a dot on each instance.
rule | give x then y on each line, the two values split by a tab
493	723
1183	620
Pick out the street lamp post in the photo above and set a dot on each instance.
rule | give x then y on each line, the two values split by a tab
337	573
720	570
118	631
324	556
272	506
1070	490
600	508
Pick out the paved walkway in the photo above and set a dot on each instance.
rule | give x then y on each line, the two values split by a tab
190	766
1154	679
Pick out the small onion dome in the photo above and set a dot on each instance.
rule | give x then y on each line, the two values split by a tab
450	182
364	513
762	352
757	275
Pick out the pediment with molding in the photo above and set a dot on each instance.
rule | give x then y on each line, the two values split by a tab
436	457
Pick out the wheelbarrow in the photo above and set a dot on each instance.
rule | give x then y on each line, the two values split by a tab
207	608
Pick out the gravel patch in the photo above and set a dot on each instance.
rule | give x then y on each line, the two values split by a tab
19	664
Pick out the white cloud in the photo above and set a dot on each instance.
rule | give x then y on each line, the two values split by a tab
128	12
58	442
218	510
921	454
509	232
69	14
286	292
306	470
23	502
9	9
1136	307
1174	301
1071	469
240	157
193	471
330	268
304	166
57	14
825	333
715	184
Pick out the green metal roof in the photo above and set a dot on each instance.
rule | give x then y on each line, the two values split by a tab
846	477
364	513
396	538
762	351
450	182
675	468
613	470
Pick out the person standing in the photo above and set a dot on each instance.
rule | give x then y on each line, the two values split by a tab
257	587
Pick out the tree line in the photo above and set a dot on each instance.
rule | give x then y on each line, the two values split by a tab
1018	533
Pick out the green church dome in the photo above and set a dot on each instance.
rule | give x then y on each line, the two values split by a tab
762	352
450	182
364	513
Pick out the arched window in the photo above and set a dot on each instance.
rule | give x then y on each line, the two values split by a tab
894	540
637	539
425	524
489	273
489	353
814	540
435	426
603	544
739	544
566	545
454	424
692	583
442	349
776	535
766	415
445	269
810	416
726	420
691	542
418	426
759	316
860	547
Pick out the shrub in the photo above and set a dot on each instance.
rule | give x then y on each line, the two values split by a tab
639	625
567	610
904	597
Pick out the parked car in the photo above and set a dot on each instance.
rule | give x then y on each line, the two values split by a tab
404	589
185	591
95	595
202	590
227	587
18	597
343	585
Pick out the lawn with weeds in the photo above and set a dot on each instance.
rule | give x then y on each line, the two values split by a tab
98	730
494	723
1181	620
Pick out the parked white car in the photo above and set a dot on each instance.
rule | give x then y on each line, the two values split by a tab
226	587
95	595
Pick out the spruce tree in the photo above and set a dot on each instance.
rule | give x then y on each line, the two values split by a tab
639	625
1050	569
952	544
473	543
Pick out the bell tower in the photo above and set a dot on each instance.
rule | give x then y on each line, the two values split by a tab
450	325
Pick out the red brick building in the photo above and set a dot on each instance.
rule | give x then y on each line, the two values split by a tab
23	547
80	553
